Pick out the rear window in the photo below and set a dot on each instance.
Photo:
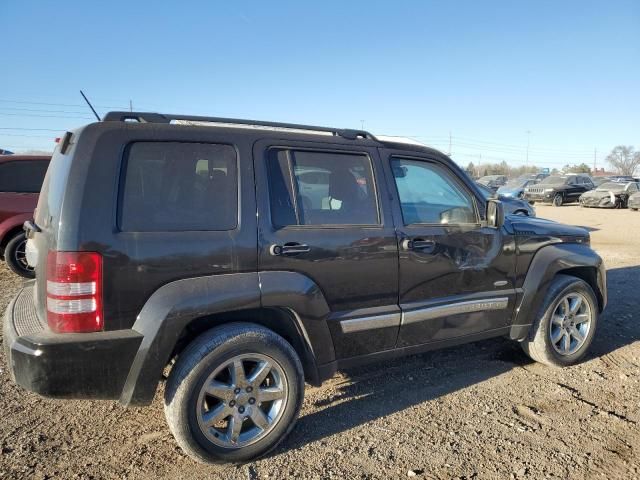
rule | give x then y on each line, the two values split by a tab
171	186
22	176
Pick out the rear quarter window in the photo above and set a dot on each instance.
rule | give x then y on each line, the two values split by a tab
175	186
22	176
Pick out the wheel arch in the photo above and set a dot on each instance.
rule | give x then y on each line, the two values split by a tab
179	311
7	232
280	320
573	259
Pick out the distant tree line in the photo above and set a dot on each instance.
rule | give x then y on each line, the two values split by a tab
623	159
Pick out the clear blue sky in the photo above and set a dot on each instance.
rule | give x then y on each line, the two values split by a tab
488	72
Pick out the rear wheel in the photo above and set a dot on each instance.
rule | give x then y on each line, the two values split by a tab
565	324
558	200
15	255
234	394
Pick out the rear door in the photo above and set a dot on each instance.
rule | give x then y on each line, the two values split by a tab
456	276
575	188
320	215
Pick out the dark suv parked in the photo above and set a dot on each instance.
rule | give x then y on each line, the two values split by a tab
559	189
250	257
21	177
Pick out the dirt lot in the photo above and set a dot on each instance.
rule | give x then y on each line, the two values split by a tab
478	411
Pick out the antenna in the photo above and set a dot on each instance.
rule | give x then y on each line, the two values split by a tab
90	106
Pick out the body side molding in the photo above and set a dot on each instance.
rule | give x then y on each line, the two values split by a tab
469	306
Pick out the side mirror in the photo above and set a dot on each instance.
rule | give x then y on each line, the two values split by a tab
495	213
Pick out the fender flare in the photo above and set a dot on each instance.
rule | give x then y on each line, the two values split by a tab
546	264
12	223
175	305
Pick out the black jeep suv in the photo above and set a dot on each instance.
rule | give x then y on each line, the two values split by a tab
559	189
249	257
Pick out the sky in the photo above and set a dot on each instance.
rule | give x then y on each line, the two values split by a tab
563	76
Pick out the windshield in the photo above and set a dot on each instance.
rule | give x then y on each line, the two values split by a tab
488	178
553	181
612	186
516	183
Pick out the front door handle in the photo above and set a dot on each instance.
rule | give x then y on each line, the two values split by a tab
289	248
419	245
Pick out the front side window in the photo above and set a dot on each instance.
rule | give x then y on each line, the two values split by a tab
430	195
321	188
172	186
22	176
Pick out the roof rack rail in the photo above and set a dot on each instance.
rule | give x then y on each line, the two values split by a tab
150	117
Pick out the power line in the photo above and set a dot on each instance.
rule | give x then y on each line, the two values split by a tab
33	129
39	110
42	116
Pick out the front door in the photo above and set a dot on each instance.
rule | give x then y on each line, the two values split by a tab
456	276
320	216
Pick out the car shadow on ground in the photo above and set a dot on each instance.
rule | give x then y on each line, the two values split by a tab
369	393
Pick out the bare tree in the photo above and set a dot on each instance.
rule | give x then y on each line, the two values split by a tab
624	160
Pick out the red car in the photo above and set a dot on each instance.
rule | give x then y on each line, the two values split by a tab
21	178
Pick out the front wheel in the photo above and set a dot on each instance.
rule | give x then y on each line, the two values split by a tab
234	394
558	200
565	324
16	256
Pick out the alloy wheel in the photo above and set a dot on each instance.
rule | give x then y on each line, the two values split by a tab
570	323
242	400
20	256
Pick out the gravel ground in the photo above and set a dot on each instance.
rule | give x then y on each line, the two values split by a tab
479	411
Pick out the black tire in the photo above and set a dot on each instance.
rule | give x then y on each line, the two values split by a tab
558	200
634	209
521	212
14	256
538	344
531	202
200	359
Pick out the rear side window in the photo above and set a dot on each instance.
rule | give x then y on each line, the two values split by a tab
23	176
171	186
321	188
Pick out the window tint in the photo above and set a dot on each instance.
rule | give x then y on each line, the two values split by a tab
321	188
172	186
428	194
23	176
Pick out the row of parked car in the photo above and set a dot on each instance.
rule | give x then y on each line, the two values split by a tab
21	178
602	192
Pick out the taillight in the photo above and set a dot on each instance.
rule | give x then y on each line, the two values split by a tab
74	292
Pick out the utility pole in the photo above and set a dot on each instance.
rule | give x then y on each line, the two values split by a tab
449	142
362	124
527	159
130	106
595	152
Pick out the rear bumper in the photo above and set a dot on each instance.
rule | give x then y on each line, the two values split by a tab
76	365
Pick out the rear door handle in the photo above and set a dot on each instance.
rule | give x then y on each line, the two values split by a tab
419	245
289	248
